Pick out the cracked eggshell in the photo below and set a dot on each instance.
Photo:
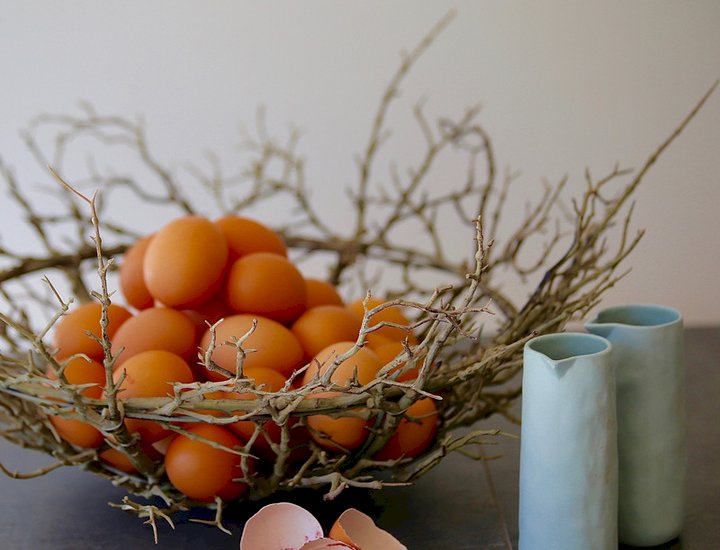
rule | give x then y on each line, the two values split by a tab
280	526
325	544
359	531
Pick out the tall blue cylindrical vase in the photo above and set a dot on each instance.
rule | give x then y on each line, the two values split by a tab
647	356
568	445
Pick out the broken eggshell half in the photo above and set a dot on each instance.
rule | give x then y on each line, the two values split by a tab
359	531
280	526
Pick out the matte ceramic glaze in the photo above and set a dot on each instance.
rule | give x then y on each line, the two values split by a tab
568	450
647	343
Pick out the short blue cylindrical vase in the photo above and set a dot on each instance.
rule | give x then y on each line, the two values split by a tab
568	445
647	342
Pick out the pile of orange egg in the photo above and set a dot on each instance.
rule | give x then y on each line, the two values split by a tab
186	277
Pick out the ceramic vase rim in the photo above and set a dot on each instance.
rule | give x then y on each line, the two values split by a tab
569	336
677	316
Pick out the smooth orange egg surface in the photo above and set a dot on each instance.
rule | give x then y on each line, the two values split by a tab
156	328
275	346
117	460
132	281
208	313
391	349
263	379
77	432
364	364
185	262
71	332
392	314
151	374
321	326
80	371
321	293
121	461
339	434
245	236
414	433
201	471
266	284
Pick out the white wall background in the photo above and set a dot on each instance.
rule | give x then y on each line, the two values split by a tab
565	85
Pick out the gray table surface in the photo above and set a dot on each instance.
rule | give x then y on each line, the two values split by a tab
462	504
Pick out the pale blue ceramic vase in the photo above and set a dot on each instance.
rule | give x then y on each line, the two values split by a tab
568	445
647	342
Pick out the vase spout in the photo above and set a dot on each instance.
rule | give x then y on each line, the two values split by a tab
560	352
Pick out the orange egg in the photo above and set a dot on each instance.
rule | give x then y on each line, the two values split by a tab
132	283
185	262
414	433
321	326
388	315
275	346
156	328
388	351
245	236
321	293
264	379
71	331
342	433
203	316
208	313
202	471
375	340
364	363
337	434
117	460
151	374
79	371
120	461
266	284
